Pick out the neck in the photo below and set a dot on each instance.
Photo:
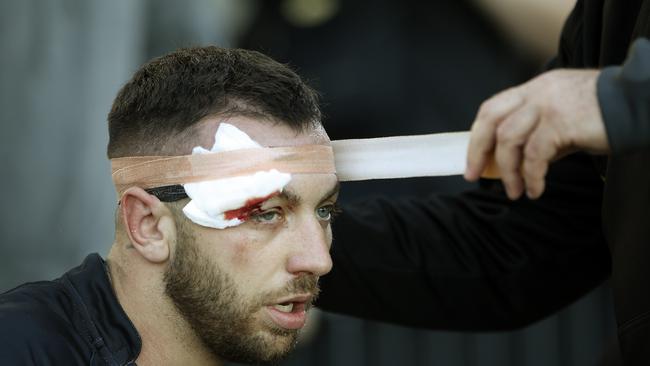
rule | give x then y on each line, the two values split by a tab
167	339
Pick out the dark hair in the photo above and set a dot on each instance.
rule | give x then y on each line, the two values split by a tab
167	96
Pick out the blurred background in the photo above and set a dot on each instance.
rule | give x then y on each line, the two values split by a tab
383	68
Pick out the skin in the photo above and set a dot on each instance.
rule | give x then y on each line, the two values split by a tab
288	242
527	127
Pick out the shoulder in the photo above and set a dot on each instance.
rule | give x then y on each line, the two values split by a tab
37	327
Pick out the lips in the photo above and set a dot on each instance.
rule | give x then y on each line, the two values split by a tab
290	313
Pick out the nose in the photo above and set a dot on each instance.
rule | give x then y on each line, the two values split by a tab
310	253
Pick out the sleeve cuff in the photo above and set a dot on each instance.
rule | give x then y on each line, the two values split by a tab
624	99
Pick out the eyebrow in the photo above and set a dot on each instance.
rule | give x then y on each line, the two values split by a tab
294	199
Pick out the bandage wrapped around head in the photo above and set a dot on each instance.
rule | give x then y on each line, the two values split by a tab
226	182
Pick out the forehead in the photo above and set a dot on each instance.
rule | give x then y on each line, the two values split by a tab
309	188
265	133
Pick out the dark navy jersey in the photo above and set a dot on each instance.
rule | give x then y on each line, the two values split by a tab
73	320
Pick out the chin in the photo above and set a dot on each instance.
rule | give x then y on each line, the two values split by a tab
267	345
278	344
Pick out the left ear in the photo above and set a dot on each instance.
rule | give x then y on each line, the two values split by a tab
149	224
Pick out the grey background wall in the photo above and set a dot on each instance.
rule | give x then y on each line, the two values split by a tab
61	63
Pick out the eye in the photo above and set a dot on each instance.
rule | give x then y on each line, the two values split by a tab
268	217
326	212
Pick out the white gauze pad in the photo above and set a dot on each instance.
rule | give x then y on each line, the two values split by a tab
211	200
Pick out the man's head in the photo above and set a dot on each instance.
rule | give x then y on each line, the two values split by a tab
243	290
157	111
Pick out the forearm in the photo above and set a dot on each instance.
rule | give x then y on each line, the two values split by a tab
624	99
472	262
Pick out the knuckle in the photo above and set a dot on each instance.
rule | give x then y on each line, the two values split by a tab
532	150
485	111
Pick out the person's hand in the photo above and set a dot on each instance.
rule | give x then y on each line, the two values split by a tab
526	127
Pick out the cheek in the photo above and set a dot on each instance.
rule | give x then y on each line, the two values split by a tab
250	255
243	253
250	252
257	267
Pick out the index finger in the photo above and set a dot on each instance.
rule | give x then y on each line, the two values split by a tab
483	132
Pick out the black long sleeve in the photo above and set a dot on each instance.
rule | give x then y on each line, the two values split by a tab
624	98
478	262
470	262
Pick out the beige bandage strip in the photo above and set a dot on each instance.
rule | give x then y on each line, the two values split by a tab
352	160
437	154
157	171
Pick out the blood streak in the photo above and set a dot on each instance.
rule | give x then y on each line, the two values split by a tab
251	206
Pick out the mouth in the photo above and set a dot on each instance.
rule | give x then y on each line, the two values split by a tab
290	313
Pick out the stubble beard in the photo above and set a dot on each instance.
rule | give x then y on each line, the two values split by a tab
224	321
